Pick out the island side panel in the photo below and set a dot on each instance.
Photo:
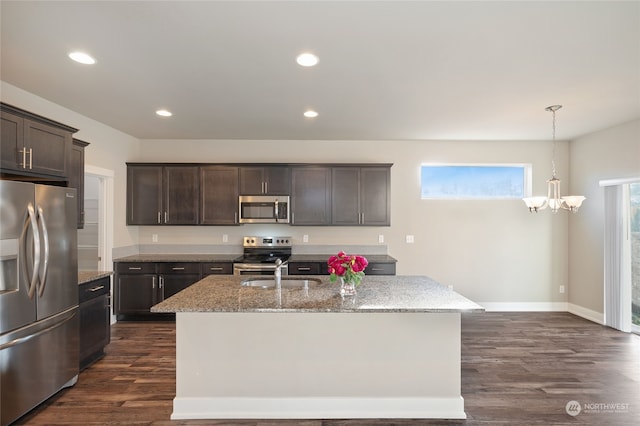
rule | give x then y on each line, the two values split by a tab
318	365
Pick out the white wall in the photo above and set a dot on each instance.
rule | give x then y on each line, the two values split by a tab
108	149
607	154
490	251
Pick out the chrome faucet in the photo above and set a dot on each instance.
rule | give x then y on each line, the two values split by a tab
278	273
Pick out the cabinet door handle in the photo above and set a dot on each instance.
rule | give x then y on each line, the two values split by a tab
159	217
135	268
177	268
30	158
166	217
161	281
266	187
304	268
24	157
153	283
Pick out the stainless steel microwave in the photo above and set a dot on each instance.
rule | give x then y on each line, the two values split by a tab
264	208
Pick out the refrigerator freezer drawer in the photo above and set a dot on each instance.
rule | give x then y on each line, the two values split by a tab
36	362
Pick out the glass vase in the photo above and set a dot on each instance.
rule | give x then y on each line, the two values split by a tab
347	288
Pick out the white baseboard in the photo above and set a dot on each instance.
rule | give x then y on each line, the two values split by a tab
580	311
525	306
318	408
585	313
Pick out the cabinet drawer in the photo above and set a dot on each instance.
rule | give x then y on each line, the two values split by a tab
93	289
304	268
380	269
136	268
179	268
217	268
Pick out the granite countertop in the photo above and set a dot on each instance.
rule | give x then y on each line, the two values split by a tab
87	276
371	258
168	257
223	293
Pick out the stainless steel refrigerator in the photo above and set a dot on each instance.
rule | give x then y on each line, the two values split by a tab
38	295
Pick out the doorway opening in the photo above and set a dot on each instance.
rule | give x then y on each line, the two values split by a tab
95	241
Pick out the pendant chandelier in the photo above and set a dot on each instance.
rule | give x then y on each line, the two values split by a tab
554	200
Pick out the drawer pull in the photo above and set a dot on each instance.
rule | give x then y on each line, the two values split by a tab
304	268
177	269
96	288
135	268
217	268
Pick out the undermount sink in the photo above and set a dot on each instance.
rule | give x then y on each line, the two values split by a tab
285	282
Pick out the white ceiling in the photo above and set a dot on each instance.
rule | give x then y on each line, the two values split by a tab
388	70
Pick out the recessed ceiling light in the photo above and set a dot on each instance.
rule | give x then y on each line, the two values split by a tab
310	114
307	59
82	57
164	113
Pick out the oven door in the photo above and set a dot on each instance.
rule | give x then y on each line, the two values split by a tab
258	269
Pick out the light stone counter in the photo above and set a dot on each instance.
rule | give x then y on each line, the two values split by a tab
223	293
88	276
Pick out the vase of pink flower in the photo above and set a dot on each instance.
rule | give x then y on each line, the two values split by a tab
350	270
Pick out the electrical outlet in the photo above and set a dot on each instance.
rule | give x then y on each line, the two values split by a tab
409	239
380	239
561	289
225	238
305	238
154	238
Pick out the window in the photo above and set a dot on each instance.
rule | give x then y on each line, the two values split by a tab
477	181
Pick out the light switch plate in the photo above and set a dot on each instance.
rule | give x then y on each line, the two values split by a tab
409	239
305	238
380	239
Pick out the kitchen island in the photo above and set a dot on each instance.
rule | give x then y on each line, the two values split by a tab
392	351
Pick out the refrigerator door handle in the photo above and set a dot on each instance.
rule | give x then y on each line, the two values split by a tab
36	250
45	266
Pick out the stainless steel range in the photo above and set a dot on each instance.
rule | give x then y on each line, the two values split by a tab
260	254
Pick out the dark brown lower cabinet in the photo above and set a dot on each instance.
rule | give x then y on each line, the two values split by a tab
95	319
136	288
175	277
140	285
320	268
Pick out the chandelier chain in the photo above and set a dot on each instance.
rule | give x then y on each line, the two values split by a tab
553	152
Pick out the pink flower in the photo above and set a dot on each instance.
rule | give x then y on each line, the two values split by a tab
350	267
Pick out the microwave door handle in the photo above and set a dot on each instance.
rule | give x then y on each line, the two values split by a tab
36	250
45	266
276	210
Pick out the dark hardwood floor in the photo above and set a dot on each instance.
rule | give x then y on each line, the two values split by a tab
517	369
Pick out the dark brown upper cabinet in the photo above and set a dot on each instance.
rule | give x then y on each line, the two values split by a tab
162	195
311	195
218	195
32	145
76	175
361	196
264	180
